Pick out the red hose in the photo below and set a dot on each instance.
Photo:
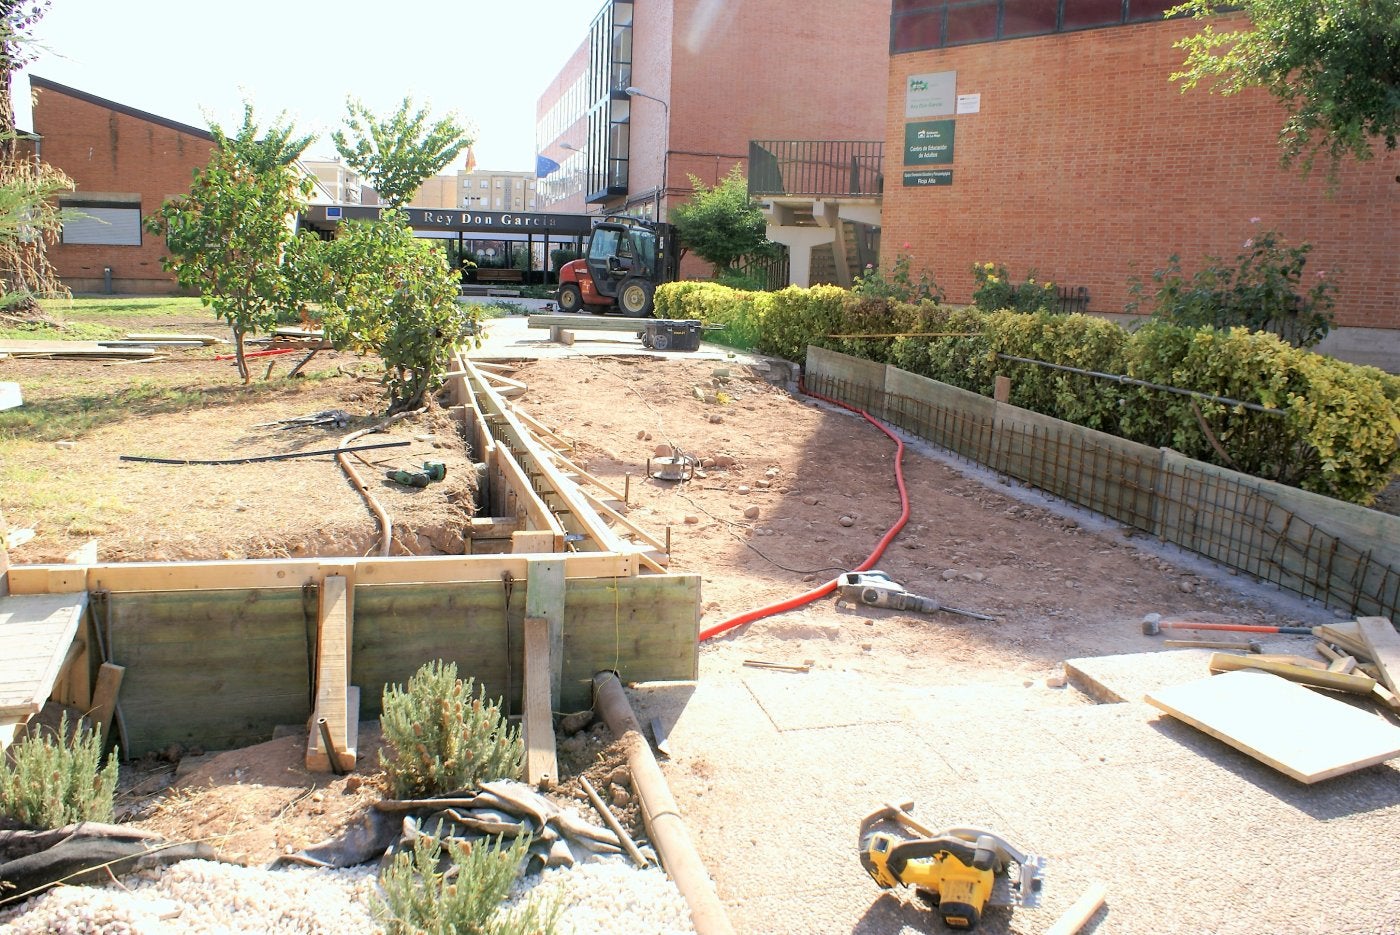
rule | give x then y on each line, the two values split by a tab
800	600
248	355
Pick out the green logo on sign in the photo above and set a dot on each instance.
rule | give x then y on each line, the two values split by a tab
928	143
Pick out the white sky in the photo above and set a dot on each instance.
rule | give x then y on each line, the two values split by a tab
190	60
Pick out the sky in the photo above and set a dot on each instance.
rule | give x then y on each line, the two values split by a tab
196	60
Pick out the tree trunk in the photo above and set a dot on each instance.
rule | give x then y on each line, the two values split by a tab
238	356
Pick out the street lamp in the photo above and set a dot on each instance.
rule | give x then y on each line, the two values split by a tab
666	152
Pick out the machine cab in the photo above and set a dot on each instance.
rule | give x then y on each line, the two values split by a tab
617	252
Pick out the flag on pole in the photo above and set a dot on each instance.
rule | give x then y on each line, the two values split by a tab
544	165
471	160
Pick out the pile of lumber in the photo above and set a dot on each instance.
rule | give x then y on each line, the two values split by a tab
132	347
1360	657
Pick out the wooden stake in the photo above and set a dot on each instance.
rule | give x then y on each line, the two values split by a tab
610	819
1081	912
104	699
541	765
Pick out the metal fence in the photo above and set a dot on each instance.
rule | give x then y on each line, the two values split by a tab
816	167
1281	536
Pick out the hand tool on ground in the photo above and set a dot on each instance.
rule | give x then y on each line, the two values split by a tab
1249	646
1152	624
962	870
876	589
409	478
436	470
760	664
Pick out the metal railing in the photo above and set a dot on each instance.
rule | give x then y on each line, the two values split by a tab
816	167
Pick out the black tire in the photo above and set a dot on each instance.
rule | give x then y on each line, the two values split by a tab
570	298
634	297
661	341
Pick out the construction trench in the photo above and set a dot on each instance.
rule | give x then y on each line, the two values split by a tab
274	596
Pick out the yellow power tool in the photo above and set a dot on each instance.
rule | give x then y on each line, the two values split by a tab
962	870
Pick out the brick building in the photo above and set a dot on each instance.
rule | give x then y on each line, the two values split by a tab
125	162
707	79
1069	152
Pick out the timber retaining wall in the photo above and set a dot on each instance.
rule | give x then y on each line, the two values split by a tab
1344	555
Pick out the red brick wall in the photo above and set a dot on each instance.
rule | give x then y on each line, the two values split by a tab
106	150
1086	164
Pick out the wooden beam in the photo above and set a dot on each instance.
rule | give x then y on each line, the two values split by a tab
540	429
104	698
1345	635
1383	642
1083	909
1321	678
571	466
623	521
293	573
333	640
505	385
544	597
535	541
541	765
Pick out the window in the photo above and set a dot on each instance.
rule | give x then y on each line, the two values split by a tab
1029	17
485	184
1081	14
105	223
933	24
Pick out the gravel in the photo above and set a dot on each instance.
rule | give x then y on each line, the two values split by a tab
196	897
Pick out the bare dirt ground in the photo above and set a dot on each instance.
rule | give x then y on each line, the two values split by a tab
773	770
71	491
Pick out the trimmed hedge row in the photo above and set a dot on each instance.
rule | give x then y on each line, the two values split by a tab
1336	433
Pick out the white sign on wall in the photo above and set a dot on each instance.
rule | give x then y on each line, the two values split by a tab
931	95
969	103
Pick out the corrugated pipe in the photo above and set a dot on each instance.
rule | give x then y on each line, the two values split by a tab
659	810
803	599
386	525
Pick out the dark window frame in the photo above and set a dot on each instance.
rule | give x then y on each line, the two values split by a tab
945	11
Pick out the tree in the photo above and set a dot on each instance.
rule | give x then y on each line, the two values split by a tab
384	291
28	188
1334	63
722	224
397	155
229	237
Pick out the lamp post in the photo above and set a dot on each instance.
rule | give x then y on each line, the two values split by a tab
666	151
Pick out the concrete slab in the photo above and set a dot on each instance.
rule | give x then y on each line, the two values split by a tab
1111	679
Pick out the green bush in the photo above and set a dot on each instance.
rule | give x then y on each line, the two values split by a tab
1263	290
797	317
899	284
56	781
995	291
463	899
443	738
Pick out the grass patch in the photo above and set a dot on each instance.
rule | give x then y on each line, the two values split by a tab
96	405
102	308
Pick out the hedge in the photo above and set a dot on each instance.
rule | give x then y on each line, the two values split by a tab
1336	433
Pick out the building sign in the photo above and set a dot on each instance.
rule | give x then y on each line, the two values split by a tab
471	222
919	178
928	143
931	95
969	103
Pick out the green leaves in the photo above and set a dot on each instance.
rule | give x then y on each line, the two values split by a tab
1334	63
397	154
52	781
722	224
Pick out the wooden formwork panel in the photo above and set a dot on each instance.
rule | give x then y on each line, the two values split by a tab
216	669
949	416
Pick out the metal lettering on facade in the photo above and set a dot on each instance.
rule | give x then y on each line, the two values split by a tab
428	217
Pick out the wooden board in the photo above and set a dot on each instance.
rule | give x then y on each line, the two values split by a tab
1383	641
35	633
540	762
333	693
1298	732
104	697
1304	675
544	598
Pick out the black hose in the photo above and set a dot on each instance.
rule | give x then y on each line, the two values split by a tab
282	457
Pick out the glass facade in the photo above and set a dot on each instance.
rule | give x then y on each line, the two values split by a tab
610	114
916	25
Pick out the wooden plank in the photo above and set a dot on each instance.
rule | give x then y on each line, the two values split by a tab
1384	644
277	573
104	698
1083	909
1304	675
333	695
544	597
1345	635
36	632
536	541
1298	732
541	765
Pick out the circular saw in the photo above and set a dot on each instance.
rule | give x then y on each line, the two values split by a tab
961	870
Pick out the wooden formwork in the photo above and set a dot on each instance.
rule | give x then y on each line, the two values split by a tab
217	653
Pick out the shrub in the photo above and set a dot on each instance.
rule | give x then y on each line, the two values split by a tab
443	738
995	291
1263	290
465	897
797	317
899	284
59	780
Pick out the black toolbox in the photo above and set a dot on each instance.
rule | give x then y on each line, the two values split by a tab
667	335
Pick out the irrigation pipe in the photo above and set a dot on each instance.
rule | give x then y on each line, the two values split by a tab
1117	378
249	355
659	810
386	525
802	600
286	456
